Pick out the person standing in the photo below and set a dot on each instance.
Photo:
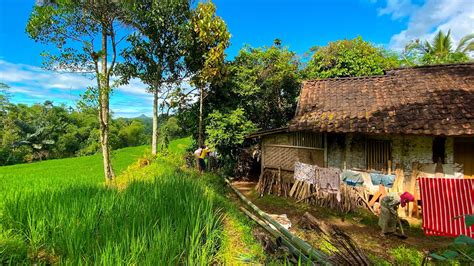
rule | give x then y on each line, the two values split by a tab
201	156
197	154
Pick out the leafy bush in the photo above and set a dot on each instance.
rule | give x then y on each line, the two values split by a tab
406	256
349	58
226	131
462	250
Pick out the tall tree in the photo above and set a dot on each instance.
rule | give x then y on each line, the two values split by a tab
349	58
267	82
84	34
156	48
439	50
207	40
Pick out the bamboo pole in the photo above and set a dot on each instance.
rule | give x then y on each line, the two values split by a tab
296	252
298	242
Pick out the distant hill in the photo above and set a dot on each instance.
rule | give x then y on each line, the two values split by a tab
143	117
147	121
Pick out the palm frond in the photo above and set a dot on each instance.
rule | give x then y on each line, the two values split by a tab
466	44
437	44
427	47
447	43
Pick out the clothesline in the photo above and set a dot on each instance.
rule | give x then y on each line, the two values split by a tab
367	171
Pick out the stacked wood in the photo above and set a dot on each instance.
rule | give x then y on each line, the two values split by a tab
271	182
351	198
348	252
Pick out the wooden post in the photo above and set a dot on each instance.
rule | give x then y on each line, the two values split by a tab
412	188
325	149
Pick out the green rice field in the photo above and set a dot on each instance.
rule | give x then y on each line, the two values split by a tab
60	212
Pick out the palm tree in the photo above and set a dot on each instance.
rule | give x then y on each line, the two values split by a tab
440	50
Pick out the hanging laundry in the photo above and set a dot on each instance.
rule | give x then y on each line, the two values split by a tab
405	198
371	188
382	179
444	202
352	178
305	172
329	181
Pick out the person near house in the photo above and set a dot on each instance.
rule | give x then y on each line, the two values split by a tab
388	218
201	154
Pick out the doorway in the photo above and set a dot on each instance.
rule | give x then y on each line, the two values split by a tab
464	154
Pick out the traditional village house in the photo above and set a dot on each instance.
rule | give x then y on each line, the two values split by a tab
410	121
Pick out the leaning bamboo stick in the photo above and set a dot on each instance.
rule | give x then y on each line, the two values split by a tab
296	252
298	242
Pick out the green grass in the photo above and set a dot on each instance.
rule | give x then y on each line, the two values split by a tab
59	211
406	256
76	171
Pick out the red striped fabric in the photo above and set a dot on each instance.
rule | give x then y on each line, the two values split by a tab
443	199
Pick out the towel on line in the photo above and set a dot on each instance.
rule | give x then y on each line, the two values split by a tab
329	180
382	179
305	172
371	188
352	178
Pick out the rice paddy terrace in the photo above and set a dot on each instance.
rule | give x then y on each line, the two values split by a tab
60	212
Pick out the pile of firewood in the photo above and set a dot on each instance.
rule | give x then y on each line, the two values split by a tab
347	251
272	182
308	193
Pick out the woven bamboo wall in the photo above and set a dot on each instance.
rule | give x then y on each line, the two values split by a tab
283	157
283	150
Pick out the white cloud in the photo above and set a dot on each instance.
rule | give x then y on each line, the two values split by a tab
397	8
38	78
134	86
425	20
31	84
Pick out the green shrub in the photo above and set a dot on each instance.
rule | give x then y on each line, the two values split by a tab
406	256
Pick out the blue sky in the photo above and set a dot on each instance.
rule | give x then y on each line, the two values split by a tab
300	24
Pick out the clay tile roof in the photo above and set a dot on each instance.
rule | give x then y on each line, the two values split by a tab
428	100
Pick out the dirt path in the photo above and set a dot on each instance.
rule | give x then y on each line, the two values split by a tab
362	228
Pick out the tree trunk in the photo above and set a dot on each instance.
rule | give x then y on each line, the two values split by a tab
201	100
104	137
104	112
154	137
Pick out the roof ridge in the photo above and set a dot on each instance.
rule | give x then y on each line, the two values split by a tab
471	63
347	78
391	72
